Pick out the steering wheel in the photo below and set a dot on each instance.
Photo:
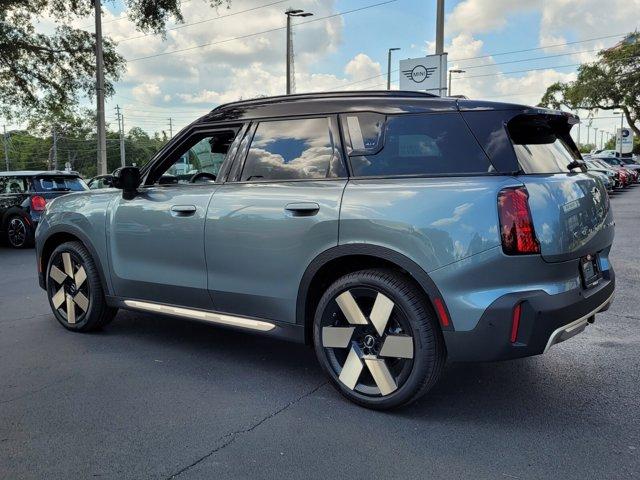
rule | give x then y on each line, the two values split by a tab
202	175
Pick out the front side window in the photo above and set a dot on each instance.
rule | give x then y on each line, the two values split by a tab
201	161
292	150
427	144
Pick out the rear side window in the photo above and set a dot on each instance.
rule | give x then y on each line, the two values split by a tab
59	184
428	144
538	147
292	150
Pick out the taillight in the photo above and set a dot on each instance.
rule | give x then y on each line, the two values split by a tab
516	225
38	203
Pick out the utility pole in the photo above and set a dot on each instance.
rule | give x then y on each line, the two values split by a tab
170	128
389	67
120	117
6	146
54	149
292	13
102	136
440	28
601	139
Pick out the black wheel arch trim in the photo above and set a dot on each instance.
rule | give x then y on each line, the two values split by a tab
82	237
12	212
415	271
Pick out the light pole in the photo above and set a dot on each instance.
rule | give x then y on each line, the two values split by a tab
440	27
621	127
389	67
292	13
455	70
102	135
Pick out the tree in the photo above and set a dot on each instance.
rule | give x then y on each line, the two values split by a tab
50	72
612	82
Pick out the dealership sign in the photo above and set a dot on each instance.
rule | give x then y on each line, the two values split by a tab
426	73
627	140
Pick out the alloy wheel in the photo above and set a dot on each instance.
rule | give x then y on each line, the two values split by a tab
370	354
17	232
68	287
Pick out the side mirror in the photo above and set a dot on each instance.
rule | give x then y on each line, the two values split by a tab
128	180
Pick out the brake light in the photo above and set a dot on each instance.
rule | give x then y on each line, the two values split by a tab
516	226
38	203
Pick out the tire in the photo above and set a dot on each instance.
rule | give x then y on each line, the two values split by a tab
19	232
76	298
353	352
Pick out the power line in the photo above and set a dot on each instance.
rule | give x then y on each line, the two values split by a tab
184	25
499	54
261	33
531	59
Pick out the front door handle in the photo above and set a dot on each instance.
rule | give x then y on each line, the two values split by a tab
183	210
302	209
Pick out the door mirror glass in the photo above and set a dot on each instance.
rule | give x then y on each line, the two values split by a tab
128	180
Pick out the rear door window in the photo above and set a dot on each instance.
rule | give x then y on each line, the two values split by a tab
52	183
426	144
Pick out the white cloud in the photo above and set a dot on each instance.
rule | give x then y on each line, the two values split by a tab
146	91
481	16
361	67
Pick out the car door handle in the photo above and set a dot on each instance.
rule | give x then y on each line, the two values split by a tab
302	209
183	210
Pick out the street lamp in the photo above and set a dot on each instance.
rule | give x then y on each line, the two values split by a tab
292	13
453	71
389	67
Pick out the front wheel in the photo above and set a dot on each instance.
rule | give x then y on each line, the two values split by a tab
75	290
377	339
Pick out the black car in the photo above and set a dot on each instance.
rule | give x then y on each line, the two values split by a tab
23	198
101	181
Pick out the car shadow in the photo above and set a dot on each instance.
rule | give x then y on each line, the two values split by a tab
467	392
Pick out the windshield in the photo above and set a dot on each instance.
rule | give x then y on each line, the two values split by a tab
59	184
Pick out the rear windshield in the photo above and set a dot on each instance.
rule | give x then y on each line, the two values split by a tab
59	184
426	144
539	148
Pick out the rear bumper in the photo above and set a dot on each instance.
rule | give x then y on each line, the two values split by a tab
545	320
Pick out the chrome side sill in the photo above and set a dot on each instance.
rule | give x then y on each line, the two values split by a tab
574	327
212	317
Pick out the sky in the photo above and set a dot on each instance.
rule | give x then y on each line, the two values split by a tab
344	46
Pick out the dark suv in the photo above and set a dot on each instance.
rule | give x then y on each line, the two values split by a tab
391	230
23	198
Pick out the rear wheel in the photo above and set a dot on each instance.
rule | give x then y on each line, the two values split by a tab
376	337
19	233
75	290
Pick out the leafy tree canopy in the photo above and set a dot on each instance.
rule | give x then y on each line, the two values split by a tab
44	72
612	82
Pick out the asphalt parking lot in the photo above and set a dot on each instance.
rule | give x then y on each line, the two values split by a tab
157	397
